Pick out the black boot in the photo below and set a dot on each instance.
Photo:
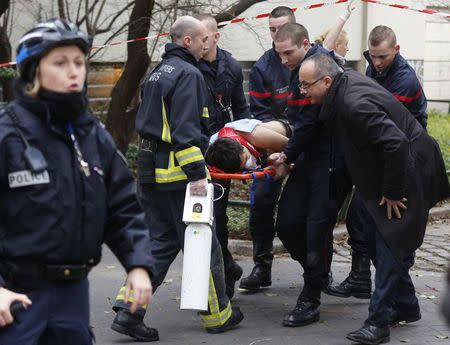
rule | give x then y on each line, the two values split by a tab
406	316
234	320
358	283
233	272
370	335
328	282
304	313
261	275
133	326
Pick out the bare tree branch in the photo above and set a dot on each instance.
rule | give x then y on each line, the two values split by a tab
235	10
112	21
61	9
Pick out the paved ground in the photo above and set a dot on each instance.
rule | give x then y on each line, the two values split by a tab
433	255
264	311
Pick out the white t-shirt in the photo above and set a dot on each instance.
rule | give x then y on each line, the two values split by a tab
243	125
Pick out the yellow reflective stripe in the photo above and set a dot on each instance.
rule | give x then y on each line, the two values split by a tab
165	135
212	297
169	175
208	175
189	155
121	297
205	112
217	319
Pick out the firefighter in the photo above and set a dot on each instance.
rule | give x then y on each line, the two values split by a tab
172	122
269	90
226	102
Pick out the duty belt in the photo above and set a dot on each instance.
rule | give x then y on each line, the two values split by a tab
31	275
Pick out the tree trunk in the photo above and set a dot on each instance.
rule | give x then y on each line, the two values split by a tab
5	55
120	120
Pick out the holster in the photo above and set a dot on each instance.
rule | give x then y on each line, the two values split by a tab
146	161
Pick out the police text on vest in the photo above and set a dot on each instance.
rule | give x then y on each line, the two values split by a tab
26	178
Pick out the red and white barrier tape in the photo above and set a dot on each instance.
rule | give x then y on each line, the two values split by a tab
294	9
265	15
404	7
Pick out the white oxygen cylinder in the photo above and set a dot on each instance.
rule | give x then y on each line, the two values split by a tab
199	216
196	267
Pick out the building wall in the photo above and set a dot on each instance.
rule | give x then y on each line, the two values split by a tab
424	39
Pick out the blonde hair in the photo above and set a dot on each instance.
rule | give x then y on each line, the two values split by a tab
32	89
342	38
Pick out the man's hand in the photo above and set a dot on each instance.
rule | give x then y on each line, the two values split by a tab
394	205
277	159
138	281
199	187
281	171
6	298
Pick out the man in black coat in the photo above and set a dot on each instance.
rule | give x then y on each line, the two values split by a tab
399	171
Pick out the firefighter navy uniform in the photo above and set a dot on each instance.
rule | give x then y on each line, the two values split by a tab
172	122
268	92
226	102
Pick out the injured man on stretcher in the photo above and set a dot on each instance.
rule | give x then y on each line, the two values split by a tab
245	144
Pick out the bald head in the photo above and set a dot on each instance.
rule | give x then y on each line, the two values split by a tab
184	26
191	34
208	20
213	36
316	76
321	65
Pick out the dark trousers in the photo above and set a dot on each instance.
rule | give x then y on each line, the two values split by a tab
163	214
393	286
359	223
220	214
306	217
59	315
265	197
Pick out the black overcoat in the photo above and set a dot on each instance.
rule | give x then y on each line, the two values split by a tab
387	153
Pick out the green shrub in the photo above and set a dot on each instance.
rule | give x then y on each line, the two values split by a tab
132	157
7	72
439	128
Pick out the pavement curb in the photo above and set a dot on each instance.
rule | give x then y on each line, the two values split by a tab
245	248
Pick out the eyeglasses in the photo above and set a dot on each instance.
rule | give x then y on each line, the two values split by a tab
305	86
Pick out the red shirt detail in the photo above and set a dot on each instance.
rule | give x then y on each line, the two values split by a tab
228	132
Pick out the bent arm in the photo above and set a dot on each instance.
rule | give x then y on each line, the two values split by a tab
268	136
332	36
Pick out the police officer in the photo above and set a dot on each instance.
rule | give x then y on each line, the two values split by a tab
390	70
172	121
64	189
269	90
226	102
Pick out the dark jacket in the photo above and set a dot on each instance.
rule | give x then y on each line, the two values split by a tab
388	154
66	218
224	80
309	136
269	87
174	113
400	79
